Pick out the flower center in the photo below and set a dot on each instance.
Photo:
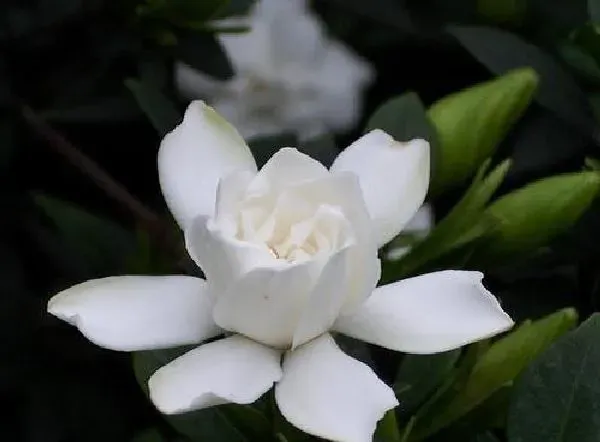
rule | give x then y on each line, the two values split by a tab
291	235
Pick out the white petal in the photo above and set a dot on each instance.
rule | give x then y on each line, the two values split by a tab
327	298
194	156
287	167
234	369
265	303
222	257
327	393
394	178
343	190
431	313
131	313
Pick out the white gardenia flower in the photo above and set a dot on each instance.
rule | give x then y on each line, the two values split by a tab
290	256
290	76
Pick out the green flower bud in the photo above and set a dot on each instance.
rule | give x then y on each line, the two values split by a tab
471	123
531	216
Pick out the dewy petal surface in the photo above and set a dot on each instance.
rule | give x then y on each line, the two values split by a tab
394	178
194	156
234	369
327	393
130	313
430	313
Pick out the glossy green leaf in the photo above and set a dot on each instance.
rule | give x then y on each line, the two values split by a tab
505	12
581	61
403	117
203	51
387	428
419	376
161	112
558	397
501	51
471	124
497	367
531	216
594	10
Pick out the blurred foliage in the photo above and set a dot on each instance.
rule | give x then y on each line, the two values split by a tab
101	73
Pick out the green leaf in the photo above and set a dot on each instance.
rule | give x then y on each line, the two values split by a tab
531	216
455	231
387	428
403	117
163	115
420	375
594	10
497	367
503	11
203	52
501	51
581	62
472	123
102	247
557	397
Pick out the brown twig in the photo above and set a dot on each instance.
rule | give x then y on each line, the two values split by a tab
148	220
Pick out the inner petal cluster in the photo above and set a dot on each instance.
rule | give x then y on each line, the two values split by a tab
292	229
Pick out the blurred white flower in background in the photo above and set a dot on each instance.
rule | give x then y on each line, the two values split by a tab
418	227
290	76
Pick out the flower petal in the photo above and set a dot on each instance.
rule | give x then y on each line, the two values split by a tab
431	313
223	258
327	298
131	313
327	393
234	369
265	304
287	167
194	156
394	178
343	190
